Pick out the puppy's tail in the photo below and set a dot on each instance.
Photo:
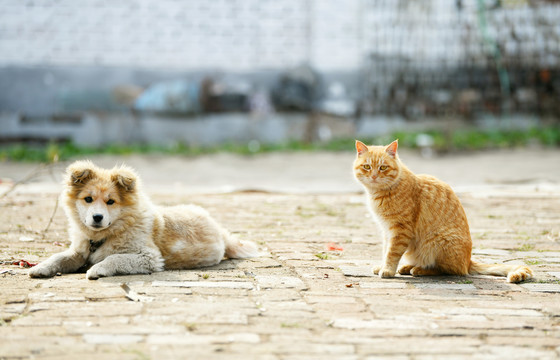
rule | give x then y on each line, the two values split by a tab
240	249
514	273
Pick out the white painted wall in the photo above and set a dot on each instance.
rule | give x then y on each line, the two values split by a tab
242	35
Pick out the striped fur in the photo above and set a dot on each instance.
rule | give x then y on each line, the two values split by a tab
422	220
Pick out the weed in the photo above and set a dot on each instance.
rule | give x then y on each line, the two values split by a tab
190	326
526	247
301	212
290	325
464	282
532	262
139	354
322	256
545	281
460	140
205	276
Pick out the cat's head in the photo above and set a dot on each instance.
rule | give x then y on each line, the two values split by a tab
377	167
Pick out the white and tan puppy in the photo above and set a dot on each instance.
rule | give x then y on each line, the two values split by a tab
115	229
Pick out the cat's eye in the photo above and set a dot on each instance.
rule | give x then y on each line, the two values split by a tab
383	167
88	199
110	202
366	167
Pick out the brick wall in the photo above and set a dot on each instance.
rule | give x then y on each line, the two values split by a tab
234	35
242	35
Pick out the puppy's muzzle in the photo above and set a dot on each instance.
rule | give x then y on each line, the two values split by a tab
97	218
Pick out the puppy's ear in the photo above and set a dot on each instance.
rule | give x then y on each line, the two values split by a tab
125	178
80	172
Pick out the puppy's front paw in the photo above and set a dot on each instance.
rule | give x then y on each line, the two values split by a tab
96	271
385	272
42	271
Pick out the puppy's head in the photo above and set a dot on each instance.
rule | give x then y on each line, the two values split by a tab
98	197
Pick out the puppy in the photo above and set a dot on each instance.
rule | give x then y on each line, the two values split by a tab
116	230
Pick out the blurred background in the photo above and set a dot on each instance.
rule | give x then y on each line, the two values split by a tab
254	75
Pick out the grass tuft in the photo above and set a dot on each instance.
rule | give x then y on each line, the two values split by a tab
459	140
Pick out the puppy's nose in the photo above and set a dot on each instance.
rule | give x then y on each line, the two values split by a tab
97	218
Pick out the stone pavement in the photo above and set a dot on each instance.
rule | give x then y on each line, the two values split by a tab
300	300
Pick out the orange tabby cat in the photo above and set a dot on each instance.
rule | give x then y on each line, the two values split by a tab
422	220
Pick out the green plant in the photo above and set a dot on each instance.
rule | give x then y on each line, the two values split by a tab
526	247
532	262
464	139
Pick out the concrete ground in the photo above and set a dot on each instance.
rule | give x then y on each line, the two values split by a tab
301	299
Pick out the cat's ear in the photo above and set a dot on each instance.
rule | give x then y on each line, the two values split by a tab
391	149
361	148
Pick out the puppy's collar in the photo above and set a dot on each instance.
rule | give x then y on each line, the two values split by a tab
94	245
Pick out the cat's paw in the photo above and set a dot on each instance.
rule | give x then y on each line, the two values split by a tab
385	272
520	274
376	270
405	270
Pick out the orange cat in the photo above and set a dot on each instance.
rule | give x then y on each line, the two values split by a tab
421	218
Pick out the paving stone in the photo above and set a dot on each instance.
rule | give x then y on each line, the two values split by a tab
492	252
279	282
193	339
288	309
383	285
52	297
12	309
357	271
546	288
354	324
517	352
539	254
329	299
163	291
204	284
123	329
283	294
418	346
355	262
444	286
116	339
487	311
300	348
306	357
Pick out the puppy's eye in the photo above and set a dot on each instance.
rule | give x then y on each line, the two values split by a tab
366	167
88	199
383	167
110	202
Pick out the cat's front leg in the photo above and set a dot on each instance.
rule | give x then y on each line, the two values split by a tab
377	268
396	247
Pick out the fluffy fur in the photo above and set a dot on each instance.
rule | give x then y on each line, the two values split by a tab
116	230
421	218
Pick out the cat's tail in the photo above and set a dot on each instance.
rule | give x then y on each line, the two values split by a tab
514	273
240	249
